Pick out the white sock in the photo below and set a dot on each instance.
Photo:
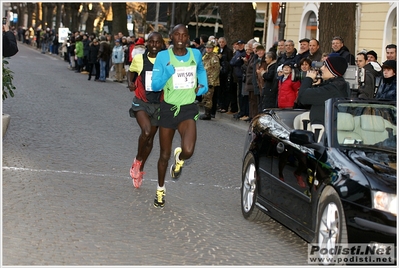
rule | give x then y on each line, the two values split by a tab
161	188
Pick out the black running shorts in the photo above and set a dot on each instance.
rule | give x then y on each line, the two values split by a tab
167	118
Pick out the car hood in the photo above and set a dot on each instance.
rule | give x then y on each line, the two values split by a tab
378	167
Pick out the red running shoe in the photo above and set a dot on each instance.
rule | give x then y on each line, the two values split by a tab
136	174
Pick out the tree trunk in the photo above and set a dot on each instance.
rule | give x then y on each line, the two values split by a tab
39	14
58	16
31	10
66	16
119	20
330	25
45	23
50	15
92	15
238	21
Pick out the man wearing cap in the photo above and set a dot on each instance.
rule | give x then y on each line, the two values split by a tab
387	89
212	67
303	50
117	60
236	63
333	85
371	56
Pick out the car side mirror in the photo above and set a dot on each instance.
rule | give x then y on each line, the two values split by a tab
302	137
306	138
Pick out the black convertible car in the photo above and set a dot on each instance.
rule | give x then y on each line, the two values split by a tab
329	184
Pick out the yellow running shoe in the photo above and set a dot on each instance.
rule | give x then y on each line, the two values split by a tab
159	201
176	167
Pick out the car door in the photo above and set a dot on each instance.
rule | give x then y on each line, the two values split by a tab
292	164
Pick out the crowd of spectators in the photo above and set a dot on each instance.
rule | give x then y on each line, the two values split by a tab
251	78
91	54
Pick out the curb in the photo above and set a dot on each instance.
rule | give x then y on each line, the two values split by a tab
227	118
6	122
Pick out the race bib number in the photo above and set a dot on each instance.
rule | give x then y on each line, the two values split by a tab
148	80
184	77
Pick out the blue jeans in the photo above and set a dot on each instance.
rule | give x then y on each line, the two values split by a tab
103	65
44	47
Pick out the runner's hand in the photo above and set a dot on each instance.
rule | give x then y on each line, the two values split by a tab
132	87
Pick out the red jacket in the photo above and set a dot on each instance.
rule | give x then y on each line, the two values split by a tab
287	92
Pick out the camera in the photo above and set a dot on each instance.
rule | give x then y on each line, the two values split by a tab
298	75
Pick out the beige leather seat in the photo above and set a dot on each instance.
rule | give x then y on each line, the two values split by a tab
298	123
372	128
345	129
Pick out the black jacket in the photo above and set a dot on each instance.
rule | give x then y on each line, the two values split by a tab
344	52
316	96
10	47
93	52
292	59
105	51
236	62
367	84
270	88
225	56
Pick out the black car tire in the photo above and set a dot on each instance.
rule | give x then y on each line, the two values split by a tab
249	191
331	223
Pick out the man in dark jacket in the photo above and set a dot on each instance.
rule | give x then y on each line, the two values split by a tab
387	89
236	63
221	92
104	54
367	76
314	50
86	45
10	47
289	55
333	86
338	47
93	62
303	50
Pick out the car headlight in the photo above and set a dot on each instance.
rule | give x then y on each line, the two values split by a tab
386	202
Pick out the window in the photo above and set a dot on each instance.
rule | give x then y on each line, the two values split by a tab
311	26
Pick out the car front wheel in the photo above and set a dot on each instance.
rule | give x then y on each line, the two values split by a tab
331	225
249	191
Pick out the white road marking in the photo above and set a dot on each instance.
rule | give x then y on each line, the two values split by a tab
106	175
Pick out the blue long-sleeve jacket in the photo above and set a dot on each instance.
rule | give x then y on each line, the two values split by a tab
163	70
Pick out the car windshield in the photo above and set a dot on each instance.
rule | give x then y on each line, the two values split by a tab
369	124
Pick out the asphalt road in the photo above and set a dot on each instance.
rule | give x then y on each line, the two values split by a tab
68	198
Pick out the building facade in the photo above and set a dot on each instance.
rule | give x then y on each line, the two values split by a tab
376	24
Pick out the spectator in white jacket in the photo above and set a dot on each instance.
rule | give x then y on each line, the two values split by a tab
118	60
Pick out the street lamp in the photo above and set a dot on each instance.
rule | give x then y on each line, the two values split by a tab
282	22
172	19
